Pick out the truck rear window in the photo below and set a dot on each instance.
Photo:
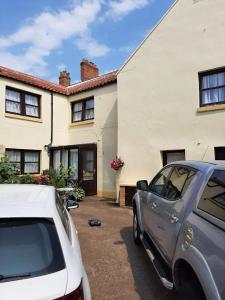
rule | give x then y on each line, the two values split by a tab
213	197
29	248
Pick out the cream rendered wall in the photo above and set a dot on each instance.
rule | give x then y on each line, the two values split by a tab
103	131
26	134
158	90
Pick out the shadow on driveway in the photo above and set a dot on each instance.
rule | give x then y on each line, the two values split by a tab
147	283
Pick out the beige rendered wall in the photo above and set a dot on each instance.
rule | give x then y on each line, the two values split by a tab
103	131
31	133
158	90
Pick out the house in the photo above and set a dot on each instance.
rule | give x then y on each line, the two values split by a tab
171	93
44	125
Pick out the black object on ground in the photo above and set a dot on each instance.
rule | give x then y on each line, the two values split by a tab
94	222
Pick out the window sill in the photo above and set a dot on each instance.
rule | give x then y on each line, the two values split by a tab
25	118
211	108
87	122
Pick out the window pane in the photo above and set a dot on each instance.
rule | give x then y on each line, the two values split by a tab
56	159
77	107
176	183
213	80
74	161
65	158
13	155
29	246
213	96
31	111
159	183
77	116
89	104
32	100
31	168
12	95
88	165
89	114
174	156
213	198
13	107
30	156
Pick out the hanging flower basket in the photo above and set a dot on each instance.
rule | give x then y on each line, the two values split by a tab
117	163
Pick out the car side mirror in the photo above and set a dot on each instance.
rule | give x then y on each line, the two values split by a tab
71	204
142	185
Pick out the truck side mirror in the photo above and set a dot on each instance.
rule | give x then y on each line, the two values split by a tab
142	185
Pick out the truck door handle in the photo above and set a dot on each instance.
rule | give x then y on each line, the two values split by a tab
173	219
154	205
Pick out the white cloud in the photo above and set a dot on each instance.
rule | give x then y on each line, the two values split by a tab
121	8
45	33
92	47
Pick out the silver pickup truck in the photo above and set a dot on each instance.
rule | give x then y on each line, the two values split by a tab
179	218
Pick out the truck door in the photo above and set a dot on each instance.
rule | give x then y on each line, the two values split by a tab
168	209
148	204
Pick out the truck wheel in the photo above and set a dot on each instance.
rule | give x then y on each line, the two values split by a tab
136	230
190	288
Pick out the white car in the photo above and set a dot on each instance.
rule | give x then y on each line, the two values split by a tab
40	255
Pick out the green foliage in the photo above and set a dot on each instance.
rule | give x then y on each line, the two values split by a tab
60	177
8	171
78	193
26	179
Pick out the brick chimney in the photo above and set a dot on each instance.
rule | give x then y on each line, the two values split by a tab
88	70
64	78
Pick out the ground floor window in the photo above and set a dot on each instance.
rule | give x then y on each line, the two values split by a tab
66	157
173	155
25	161
220	153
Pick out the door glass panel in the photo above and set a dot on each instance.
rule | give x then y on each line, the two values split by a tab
176	183
88	165
65	158
74	161
159	183
213	197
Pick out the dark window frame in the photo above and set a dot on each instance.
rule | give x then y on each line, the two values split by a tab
23	103
83	111
216	152
165	152
22	159
200	77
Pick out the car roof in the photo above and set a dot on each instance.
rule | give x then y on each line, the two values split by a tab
200	165
27	201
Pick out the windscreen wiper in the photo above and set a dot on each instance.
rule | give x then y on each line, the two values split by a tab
10	276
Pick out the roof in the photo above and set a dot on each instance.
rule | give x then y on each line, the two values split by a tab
57	88
200	165
26	201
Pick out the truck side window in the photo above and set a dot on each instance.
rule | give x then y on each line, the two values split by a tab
178	183
158	184
213	198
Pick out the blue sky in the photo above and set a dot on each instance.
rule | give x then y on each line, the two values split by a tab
46	36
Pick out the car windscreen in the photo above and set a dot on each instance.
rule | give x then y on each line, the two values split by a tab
29	248
213	197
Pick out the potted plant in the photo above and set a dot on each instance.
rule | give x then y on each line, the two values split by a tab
117	163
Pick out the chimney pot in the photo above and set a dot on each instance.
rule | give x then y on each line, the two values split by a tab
64	78
88	70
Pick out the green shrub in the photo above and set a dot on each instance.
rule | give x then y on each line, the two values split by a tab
8	171
79	193
26	179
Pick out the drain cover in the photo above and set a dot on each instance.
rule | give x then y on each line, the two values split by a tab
94	222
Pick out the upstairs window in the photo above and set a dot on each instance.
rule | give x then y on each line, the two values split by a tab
22	103
212	87
83	110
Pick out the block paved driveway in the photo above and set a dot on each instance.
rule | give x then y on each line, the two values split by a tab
117	269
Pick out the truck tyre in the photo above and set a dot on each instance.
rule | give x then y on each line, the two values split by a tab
136	230
190	288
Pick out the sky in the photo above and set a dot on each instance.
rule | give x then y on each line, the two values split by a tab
44	37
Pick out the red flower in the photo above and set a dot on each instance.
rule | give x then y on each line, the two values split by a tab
117	163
